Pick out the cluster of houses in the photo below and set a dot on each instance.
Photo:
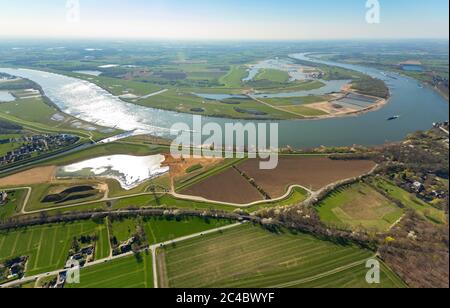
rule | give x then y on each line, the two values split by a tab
440	124
77	259
13	269
83	256
315	75
420	188
35	144
440	82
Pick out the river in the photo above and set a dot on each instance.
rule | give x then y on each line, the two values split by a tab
417	106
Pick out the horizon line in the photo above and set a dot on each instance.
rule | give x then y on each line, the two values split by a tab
154	39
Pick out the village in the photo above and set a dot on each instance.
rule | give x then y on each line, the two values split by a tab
35	145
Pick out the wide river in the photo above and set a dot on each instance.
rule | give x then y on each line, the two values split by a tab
418	107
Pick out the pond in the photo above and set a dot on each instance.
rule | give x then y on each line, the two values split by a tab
129	171
6	97
90	73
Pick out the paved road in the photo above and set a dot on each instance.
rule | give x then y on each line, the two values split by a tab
153	94
243	206
312	195
112	258
27	197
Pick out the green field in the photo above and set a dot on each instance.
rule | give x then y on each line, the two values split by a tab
273	75
119	87
302	100
353	278
124	229
46	246
162	201
8	147
13	206
297	196
295	86
129	272
186	102
305	111
40	191
411	201
160	229
249	256
359	207
234	77
103	247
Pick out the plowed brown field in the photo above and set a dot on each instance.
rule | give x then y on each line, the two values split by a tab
311	172
228	186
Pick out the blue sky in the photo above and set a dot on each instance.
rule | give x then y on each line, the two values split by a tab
225	19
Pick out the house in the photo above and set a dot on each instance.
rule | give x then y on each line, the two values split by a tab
87	251
3	197
127	246
77	257
417	187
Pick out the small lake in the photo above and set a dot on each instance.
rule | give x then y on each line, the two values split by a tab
413	68
6	97
129	171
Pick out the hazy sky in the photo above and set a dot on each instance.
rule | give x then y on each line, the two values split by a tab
224	19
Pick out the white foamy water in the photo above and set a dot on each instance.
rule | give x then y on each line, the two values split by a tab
129	171
87	101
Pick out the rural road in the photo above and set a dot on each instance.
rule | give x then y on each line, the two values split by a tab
242	206
153	94
172	193
112	258
275	107
27	197
312	195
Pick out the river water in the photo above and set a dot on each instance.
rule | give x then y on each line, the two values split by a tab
417	106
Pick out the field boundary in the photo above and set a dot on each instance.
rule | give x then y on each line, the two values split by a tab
113	258
322	275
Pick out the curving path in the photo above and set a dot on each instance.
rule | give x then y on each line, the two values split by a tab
313	195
